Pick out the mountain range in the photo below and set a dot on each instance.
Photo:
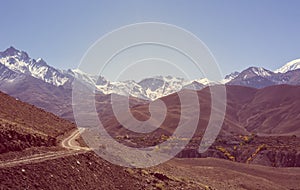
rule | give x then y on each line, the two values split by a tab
260	128
16	67
35	82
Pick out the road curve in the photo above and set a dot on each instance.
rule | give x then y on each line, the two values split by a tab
69	143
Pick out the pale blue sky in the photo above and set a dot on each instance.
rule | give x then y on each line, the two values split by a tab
239	33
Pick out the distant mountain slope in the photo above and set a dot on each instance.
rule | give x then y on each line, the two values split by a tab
36	92
7	75
273	111
249	110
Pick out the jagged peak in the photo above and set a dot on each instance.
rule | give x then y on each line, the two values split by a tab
12	51
232	75
41	61
260	71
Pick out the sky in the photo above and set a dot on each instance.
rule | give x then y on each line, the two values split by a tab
238	33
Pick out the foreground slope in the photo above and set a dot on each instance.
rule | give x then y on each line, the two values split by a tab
88	171
85	170
24	125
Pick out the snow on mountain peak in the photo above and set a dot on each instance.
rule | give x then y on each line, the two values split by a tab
13	52
229	77
19	62
290	66
41	61
204	81
261	71
254	72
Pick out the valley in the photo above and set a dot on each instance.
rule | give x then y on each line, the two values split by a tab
257	147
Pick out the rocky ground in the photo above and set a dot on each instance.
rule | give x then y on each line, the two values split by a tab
88	171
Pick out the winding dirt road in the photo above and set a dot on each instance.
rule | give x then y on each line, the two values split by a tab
69	143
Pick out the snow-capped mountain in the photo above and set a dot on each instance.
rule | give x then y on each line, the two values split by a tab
154	87
15	64
20	62
161	86
6	74
148	88
290	66
151	88
230	77
259	71
258	77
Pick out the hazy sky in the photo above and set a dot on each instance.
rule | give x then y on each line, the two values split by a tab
239	33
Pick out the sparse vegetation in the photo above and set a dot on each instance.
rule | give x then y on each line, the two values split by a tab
247	138
160	186
259	148
226	153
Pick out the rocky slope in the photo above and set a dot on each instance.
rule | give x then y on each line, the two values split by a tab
87	171
20	62
23	126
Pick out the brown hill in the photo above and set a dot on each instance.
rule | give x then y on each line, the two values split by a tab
269	111
273	110
24	125
251	115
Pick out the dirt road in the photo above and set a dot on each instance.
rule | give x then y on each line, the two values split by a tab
69	143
